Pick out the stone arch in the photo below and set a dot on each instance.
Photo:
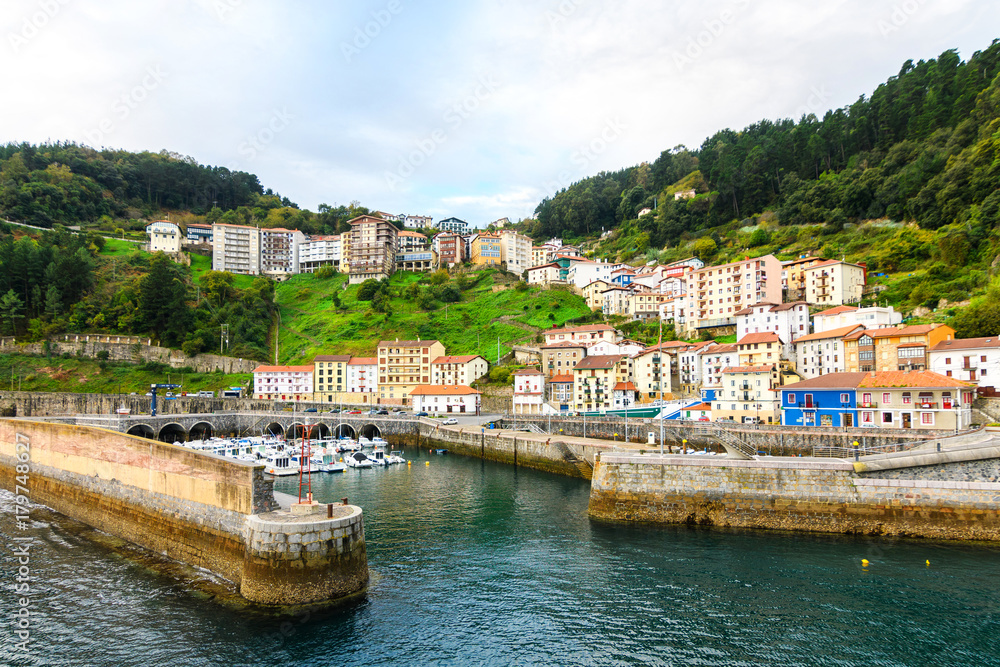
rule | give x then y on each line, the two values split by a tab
345	431
275	429
143	431
321	431
295	431
172	432
201	431
371	431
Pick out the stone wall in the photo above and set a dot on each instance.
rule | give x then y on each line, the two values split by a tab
189	506
818	495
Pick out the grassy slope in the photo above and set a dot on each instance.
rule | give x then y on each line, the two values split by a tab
311	325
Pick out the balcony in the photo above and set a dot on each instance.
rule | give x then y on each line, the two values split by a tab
867	404
927	405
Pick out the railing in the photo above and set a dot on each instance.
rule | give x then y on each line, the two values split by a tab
851	452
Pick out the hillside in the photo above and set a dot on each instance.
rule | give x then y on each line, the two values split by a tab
464	313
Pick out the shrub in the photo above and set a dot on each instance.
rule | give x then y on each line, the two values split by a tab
103	355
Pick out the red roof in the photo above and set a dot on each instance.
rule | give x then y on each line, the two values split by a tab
766	337
585	327
624	386
967	344
283	369
836	311
462	359
363	361
886	379
406	343
721	349
561	378
599	361
332	357
442	390
832	333
528	371
748	369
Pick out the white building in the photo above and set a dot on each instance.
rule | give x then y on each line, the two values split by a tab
164	236
279	250
236	249
588	334
529	391
544	274
616	301
689	365
515	250
870	317
822	353
319	251
606	347
418	221
969	359
714	360
453	225
582	272
788	320
464	369
283	383
445	399
834	283
362	376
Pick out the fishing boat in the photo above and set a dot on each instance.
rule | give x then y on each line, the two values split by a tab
395	456
358	460
378	457
280	465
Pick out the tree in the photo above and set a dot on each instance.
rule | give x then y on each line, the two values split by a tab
163	309
11	310
705	248
367	290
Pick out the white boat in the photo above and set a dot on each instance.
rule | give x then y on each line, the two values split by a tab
279	465
364	442
348	445
379	442
378	458
123	410
358	460
395	457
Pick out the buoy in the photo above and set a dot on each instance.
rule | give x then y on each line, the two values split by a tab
928	563
864	562
408	464
427	463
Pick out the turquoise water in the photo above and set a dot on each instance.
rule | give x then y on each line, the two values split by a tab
481	564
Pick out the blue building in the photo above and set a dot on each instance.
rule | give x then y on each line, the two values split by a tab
828	400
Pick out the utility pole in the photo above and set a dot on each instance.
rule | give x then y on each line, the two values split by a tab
498	350
224	338
659	345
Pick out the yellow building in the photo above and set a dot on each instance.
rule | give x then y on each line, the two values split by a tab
487	249
595	378
593	294
834	283
330	377
894	348
748	395
403	365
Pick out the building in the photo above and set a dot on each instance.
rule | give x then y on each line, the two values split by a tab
454	225
594	380
561	392
624	395
588	334
198	233
825	352
748	395
617	301
444	399
371	249
560	358
717	293
827	400
164	236
701	413
788	320
319	251
693	263
279	251
236	249
688	368
529	391
870	317
402	366
760	349
418	221
834	283
362	378
487	250
581	272
515	251
915	399
283	383
458	369
792	277
540	255
624	346
651	373
894	348
969	359
545	274
330	373
646	305
714	360
450	249
408	241
593	294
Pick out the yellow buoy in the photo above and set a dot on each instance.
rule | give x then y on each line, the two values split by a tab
928	563
864	562
427	463
408	464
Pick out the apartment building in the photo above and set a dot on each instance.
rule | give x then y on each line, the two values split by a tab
402	366
651	373
760	349
646	305
969	359
515	251
593	294
198	233
418	221
545	274
617	301
792	277
279	251
581	272
408	241
788	320
915	399
870	317
453	225
594	380
529	392
164	236
894	348
561	392
444	399
450	249
717	293
330	373
236	249
464	369
834	283
825	352
362	378
319	251
588	334
689	366
560	358
714	360
371	249
748	395
487	250
283	383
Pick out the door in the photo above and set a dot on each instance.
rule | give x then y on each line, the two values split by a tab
848	419
906	420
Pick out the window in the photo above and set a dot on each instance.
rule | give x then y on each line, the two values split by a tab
886	398
866	417
866	399
927	418
983	358
886	417
906	398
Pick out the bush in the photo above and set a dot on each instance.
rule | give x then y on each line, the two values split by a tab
368	290
103	355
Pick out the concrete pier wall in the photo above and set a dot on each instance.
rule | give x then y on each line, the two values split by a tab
193	507
792	494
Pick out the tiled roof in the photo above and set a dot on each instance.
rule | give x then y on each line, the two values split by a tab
787	306
967	344
405	343
333	357
838	333
748	369
282	369
566	343
585	327
363	361
528	371
829	381
700	406
462	359
765	337
835	311
561	378
720	349
599	361
624	386
442	390
885	379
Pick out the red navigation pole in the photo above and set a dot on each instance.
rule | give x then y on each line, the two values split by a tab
304	461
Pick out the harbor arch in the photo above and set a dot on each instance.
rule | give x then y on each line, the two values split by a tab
345	431
172	432
371	431
201	431
142	431
275	429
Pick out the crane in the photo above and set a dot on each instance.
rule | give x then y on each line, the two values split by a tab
152	390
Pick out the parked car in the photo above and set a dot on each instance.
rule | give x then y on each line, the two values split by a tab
397	411
382	412
333	412
309	410
354	412
449	421
420	414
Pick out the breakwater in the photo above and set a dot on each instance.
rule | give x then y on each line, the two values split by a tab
197	508
948	494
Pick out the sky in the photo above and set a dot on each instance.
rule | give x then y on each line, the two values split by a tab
475	109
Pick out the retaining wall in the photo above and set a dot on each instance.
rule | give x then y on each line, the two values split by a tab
790	494
190	506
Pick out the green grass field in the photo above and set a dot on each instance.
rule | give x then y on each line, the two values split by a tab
310	324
